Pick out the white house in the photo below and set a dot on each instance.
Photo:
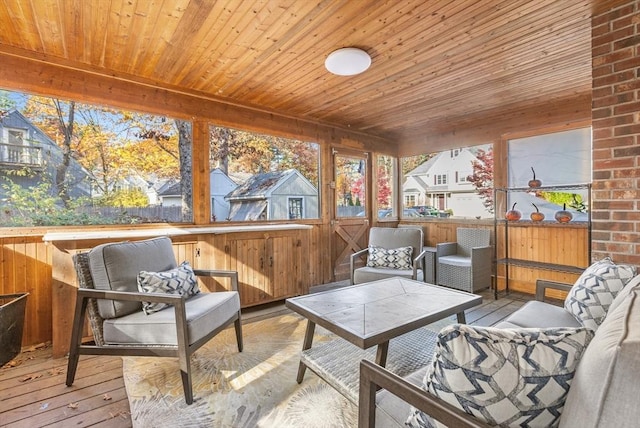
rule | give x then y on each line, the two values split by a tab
441	182
221	185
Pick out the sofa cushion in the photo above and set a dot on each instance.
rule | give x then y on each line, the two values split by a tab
535	314
594	291
180	280
204	312
605	390
390	258
504	377
115	267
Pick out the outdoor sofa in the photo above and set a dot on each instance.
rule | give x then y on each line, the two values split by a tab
602	387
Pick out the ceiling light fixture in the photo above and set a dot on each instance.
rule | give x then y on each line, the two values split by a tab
347	61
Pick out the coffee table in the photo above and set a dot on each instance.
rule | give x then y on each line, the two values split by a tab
375	312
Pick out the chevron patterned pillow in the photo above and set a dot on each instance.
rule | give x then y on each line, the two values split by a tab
594	291
505	377
392	258
180	280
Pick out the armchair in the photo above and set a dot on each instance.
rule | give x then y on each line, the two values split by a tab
108	289
383	241
466	264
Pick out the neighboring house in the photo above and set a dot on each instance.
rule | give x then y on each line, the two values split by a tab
441	182
24	146
221	185
170	194
130	183
277	195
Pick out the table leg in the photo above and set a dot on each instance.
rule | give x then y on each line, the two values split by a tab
308	340
461	318
381	354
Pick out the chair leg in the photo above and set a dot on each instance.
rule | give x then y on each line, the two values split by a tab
76	339
238	327
185	373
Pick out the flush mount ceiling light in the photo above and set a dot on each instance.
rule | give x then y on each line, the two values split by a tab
347	61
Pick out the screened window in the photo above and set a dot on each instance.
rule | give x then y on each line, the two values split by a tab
106	166
456	182
257	177
386	187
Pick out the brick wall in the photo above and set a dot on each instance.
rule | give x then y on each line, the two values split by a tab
616	133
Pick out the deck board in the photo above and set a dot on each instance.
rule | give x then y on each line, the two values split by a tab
45	400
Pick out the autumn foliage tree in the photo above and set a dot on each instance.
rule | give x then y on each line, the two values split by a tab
482	177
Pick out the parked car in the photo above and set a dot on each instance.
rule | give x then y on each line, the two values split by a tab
426	210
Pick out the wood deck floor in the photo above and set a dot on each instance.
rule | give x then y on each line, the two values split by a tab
33	393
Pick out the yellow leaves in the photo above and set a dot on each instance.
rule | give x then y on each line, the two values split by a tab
73	405
30	377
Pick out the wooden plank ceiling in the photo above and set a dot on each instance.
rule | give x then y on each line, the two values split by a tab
436	64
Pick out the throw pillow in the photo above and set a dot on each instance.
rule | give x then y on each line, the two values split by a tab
393	258
594	291
506	377
180	280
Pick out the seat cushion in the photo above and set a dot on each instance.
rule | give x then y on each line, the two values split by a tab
535	314
181	281
605	390
594	291
504	377
115	267
392	258
460	261
368	274
204	311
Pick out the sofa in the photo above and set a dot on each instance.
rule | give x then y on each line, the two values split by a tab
596	332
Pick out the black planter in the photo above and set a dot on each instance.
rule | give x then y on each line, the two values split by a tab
12	308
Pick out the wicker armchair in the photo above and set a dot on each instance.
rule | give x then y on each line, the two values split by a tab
465	264
108	290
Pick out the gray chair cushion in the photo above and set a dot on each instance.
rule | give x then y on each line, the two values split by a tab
389	237
115	267
460	261
605	390
536	314
368	274
205	312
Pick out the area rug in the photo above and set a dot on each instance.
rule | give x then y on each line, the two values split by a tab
254	388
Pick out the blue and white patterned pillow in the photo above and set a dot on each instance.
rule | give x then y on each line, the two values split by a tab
506	377
180	280
594	291
391	258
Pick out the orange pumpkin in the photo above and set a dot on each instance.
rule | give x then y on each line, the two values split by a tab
535	182
536	216
513	214
563	216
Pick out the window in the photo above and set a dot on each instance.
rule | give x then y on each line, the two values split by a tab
557	159
262	177
440	179
112	168
386	189
295	208
456	182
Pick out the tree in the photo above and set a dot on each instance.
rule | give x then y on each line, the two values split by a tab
482	177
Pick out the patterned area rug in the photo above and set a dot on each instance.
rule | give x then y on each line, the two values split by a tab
254	388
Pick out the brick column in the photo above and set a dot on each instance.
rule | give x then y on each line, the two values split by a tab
615	45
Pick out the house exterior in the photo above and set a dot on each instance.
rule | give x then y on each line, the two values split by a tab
275	195
24	146
441	182
170	194
221	185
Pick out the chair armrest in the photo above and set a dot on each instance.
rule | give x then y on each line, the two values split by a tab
420	259
446	249
373	376
543	284
482	253
220	273
171	299
352	261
